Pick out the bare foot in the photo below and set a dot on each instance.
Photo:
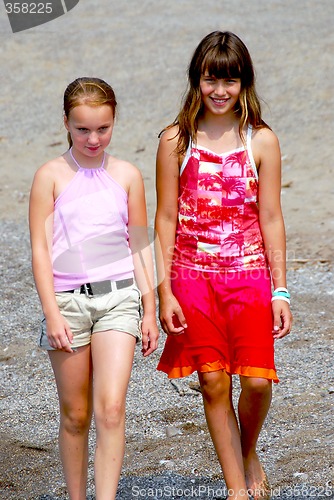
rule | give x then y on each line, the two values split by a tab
256	479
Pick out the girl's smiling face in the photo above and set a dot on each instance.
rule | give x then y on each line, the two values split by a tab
219	95
90	128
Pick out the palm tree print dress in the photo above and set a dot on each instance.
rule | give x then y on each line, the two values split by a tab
220	275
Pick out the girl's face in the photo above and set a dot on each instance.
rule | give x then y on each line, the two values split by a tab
90	128
219	95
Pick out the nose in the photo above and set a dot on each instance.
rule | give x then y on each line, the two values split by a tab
93	138
220	89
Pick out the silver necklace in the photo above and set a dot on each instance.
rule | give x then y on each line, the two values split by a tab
79	166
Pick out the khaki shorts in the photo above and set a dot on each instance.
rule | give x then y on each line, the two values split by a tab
118	310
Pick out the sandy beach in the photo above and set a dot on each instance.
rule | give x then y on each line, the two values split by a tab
142	49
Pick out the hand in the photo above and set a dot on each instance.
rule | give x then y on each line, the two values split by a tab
282	319
172	318
59	333
150	334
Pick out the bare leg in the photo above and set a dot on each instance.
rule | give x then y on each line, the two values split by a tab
73	373
224	430
112	354
254	403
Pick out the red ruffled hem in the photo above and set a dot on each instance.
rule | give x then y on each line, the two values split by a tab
246	371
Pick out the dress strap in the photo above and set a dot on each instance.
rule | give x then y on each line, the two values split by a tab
249	150
187	156
249	136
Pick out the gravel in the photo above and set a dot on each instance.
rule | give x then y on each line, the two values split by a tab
168	453
142	49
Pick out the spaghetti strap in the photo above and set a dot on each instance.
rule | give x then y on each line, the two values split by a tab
249	136
187	156
250	151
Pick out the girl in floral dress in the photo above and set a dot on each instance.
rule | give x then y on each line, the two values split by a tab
222	252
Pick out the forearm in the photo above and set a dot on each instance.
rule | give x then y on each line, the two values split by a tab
144	275
274	238
143	266
171	315
58	332
273	233
164	249
43	276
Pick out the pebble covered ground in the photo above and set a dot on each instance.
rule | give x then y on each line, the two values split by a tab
168	452
142	49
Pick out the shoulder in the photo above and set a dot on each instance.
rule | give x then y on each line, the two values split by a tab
50	171
167	154
265	145
43	189
118	165
169	137
170	132
123	172
264	137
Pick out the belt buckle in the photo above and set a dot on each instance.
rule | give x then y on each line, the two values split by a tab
88	289
103	287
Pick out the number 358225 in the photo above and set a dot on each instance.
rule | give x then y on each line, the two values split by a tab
28	8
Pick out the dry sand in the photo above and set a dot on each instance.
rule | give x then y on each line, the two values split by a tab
142	49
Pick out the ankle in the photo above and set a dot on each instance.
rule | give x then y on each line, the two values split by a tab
241	495
250	455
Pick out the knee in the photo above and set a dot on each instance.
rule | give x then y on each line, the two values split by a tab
76	422
110	416
215	386
257	387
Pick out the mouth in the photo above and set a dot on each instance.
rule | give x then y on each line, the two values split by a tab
219	102
93	148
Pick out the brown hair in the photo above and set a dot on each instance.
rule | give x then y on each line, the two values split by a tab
91	91
222	55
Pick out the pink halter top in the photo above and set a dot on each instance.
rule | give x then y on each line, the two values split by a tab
90	234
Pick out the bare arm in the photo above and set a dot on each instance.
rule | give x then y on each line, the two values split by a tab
268	156
40	221
167	183
142	259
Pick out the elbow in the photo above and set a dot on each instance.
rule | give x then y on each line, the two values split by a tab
271	217
39	255
165	217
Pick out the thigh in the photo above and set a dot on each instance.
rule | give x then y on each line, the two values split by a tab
75	308
73	374
205	336
112	356
249	319
118	311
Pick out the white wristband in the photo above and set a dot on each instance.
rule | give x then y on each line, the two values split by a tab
280	297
